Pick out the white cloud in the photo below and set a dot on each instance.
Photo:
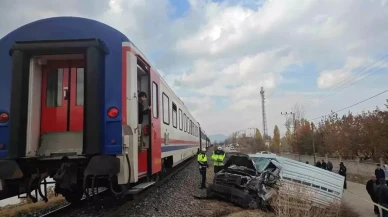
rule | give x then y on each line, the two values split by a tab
229	50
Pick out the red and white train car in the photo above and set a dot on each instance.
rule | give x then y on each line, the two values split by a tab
68	110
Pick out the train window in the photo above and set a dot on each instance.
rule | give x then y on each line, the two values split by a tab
54	86
191	127
155	100
184	122
180	119
166	109
80	87
188	125
174	113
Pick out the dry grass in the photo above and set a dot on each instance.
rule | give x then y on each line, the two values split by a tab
26	206
296	201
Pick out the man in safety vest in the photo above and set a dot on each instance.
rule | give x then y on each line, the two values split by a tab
202	161
218	157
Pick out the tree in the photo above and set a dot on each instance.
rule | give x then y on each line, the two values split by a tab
275	144
350	135
258	135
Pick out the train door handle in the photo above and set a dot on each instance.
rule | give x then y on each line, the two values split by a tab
65	93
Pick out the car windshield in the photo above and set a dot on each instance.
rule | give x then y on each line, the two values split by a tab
261	163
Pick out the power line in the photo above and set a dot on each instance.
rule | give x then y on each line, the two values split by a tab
355	80
354	75
346	79
345	87
351	82
353	104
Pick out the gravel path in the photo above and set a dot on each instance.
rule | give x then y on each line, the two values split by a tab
173	198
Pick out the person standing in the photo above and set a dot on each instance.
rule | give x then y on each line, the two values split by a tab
379	173
218	157
371	188
141	112
382	196
202	161
323	165
342	172
385	168
318	164
329	166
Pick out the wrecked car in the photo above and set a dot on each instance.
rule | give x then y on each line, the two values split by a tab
252	180
245	183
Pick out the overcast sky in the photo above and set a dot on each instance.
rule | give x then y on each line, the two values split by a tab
217	54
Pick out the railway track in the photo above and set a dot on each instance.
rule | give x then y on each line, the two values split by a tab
146	192
62	211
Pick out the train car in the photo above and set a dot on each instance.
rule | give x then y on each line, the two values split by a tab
203	138
69	110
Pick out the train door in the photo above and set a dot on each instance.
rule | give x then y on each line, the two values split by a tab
156	143
62	108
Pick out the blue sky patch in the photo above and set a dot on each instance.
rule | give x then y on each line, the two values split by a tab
180	8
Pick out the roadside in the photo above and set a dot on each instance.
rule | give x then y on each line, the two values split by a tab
353	197
356	178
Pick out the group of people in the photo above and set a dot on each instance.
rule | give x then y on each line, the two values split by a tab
378	190
324	165
217	157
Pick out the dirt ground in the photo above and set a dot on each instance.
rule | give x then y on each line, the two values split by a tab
360	179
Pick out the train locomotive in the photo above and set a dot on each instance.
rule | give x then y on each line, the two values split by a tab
69	110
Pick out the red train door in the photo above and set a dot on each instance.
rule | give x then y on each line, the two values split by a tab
155	114
62	96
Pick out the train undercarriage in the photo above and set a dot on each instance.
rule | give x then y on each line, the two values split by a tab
72	178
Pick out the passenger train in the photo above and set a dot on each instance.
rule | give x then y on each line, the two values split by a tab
69	110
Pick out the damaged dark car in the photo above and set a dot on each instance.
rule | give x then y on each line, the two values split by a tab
247	181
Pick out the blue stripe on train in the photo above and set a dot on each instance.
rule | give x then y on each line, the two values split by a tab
167	148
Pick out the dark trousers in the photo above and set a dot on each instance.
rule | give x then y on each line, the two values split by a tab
375	208
383	211
345	182
217	169
202	171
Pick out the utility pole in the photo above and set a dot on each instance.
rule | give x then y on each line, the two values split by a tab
265	130
294	121
312	129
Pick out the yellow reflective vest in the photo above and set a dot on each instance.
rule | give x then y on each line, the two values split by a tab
218	159
202	160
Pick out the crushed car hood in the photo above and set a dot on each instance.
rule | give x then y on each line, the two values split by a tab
240	160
